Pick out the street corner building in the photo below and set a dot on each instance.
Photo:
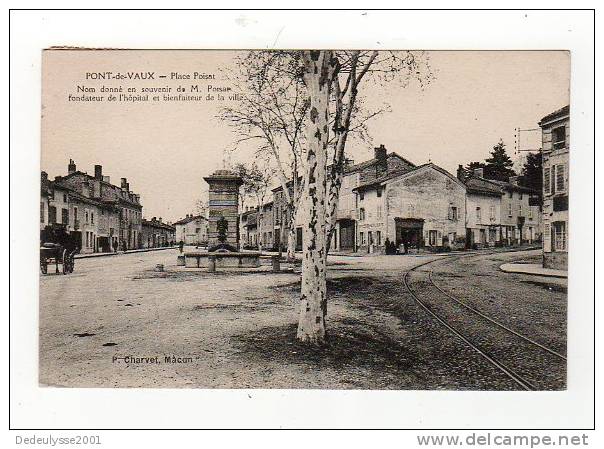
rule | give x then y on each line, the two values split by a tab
500	213
157	234
192	230
100	216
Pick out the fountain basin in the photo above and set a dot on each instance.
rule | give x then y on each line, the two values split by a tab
201	259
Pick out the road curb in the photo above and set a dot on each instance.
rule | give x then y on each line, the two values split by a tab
532	270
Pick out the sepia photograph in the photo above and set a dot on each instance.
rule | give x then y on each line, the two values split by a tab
304	219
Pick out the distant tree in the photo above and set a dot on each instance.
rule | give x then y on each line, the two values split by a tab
499	165
532	172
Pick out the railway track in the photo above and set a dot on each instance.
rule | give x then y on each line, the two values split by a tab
531	365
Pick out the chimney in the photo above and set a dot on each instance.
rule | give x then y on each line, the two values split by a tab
479	172
460	172
128	186
98	172
44	177
160	219
107	179
124	183
71	168
380	153
58	178
154	219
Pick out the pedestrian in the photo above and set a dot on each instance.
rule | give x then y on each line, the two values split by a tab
181	245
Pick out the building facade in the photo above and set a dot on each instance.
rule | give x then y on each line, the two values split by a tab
417	208
105	216
555	129
500	213
192	230
157	234
99	215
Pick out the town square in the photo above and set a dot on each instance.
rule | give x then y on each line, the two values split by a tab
306	246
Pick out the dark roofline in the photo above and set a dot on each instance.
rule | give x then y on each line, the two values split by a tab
396	174
373	161
556	115
189	219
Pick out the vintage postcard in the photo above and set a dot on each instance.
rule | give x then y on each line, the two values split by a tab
371	220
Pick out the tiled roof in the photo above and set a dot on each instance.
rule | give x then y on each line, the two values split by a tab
556	114
482	185
189	219
372	162
400	172
514	187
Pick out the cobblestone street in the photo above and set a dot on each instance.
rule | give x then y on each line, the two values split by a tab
237	330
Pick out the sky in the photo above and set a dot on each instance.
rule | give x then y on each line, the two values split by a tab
166	148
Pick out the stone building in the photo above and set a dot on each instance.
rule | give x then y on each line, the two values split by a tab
556	146
520	213
413	207
483	212
90	209
192	230
104	216
500	213
157	234
346	236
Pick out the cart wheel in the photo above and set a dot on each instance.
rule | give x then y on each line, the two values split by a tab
43	267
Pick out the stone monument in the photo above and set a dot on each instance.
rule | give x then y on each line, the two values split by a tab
223	227
223	205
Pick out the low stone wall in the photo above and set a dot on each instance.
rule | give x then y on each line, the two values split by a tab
222	260
557	261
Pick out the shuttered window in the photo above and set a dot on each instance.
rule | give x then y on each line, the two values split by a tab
560	184
546	181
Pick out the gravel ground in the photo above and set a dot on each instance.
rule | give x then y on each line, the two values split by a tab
236	330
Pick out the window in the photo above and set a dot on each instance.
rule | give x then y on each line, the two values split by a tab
65	216
379	192
492	212
520	195
378	237
64	197
361	196
86	216
370	237
509	209
546	181
41	212
530	213
432	238
379	211
410	210
559	138
52	214
92	217
560	178
453	214
520	210
559	236
511	194
75	214
362	235
361	214
478	214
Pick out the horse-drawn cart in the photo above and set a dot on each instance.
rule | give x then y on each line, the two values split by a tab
57	247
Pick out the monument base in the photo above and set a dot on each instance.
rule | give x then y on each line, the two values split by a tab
201	259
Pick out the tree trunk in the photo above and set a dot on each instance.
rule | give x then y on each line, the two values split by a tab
319	69
291	236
